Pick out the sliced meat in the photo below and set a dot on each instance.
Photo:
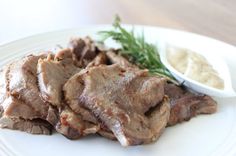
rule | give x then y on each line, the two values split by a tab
22	107
69	124
73	126
118	59
72	89
185	105
14	107
36	126
23	85
83	51
71	94
119	98
52	75
101	58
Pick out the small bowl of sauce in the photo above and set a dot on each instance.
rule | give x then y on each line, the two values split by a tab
202	72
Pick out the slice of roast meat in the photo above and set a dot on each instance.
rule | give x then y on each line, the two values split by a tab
185	105
14	107
35	126
69	124
72	89
22	108
52	75
119	98
23	85
83	51
73	126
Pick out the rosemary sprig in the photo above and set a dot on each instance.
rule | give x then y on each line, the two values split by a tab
138	51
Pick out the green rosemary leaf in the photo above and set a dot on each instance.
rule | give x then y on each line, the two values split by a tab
137	50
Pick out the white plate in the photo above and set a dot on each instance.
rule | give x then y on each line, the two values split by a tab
205	135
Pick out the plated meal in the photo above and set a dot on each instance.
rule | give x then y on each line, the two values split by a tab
86	89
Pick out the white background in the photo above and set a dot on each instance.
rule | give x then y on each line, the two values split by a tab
21	18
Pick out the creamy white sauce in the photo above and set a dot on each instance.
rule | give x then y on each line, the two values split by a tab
194	66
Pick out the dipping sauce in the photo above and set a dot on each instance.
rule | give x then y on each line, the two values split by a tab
194	66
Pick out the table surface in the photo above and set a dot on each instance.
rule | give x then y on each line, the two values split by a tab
214	18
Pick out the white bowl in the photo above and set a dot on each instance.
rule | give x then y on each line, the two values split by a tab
218	64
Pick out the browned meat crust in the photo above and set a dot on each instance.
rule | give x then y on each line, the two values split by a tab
185	105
